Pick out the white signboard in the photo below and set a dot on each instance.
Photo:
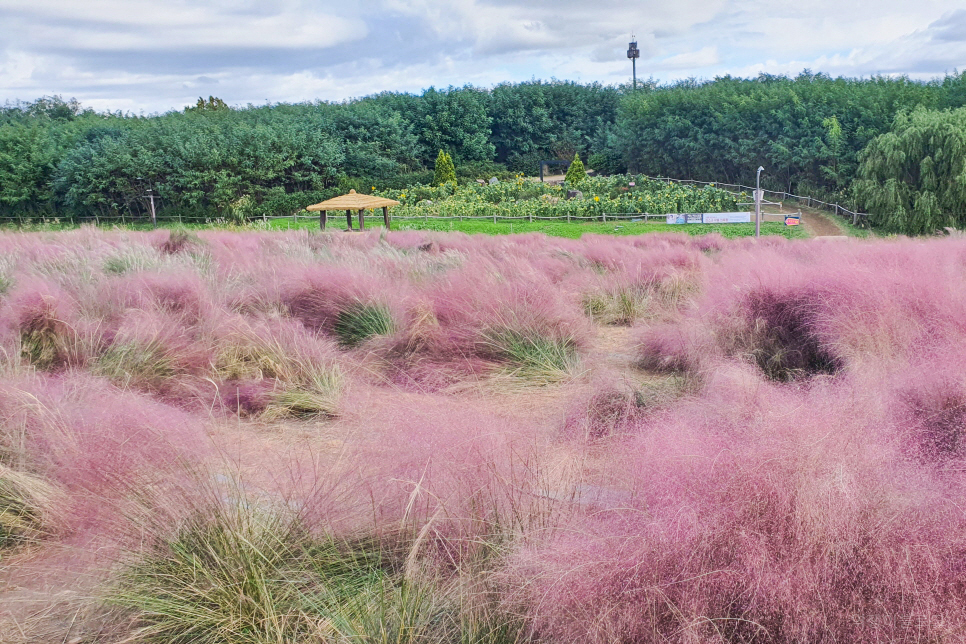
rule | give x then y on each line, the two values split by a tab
710	218
727	218
690	218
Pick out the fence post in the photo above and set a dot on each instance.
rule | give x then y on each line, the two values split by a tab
568	216
855	218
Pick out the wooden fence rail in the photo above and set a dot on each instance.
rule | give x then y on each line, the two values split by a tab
811	202
783	196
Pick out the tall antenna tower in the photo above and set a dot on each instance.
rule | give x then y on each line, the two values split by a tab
633	53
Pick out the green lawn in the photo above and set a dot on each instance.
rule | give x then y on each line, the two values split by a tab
554	228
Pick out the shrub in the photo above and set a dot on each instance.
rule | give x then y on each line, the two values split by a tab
781	517
929	404
445	170
282	352
576	173
131	260
607	412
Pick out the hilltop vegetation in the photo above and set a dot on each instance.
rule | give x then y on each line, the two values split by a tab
211	160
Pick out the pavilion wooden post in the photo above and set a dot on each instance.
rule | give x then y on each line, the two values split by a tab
362	219
322	219
385	216
348	219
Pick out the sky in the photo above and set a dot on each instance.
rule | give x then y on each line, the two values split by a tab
152	56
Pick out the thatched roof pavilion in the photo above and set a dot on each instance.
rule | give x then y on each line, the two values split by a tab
350	202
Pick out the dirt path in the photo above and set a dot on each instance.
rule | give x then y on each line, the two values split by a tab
817	223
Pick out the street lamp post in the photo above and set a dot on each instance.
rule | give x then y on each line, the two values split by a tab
758	203
633	53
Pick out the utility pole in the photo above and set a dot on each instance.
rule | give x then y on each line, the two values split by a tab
633	53
154	216
758	203
151	195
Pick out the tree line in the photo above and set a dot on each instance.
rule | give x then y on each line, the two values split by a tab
813	133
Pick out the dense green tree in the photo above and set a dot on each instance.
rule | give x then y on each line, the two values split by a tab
456	119
807	131
213	103
913	179
58	158
523	132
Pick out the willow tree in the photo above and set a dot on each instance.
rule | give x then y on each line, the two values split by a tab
912	179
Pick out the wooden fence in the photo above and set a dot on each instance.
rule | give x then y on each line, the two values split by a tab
811	202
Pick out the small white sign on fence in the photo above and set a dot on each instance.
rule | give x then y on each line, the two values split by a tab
710	218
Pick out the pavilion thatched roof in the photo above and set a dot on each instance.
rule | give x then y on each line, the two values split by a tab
353	201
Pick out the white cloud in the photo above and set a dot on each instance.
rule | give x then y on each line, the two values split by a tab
135	54
702	58
119	26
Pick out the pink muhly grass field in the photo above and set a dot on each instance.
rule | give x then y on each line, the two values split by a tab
662	438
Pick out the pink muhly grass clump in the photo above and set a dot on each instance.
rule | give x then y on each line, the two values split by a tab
672	348
798	311
44	317
179	293
98	443
790	517
928	403
464	479
329	299
478	299
451	324
154	351
608	409
256	361
182	294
